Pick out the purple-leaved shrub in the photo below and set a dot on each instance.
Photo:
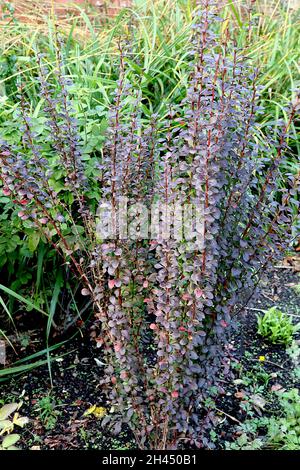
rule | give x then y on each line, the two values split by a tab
166	303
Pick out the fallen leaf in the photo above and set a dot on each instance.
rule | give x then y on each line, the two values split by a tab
99	363
78	402
258	401
97	411
276	388
20	420
85	292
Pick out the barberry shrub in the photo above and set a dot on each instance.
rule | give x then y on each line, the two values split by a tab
166	300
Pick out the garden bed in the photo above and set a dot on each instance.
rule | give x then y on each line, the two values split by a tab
179	112
57	416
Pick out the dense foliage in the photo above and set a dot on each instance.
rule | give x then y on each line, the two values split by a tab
159	53
164	304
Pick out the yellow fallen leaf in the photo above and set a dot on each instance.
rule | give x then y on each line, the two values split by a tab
97	411
6	426
20	420
89	411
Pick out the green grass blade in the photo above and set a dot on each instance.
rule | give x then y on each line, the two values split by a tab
22	299
7	311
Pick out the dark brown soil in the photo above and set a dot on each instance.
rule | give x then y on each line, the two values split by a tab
276	290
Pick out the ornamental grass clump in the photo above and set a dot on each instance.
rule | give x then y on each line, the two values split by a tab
171	232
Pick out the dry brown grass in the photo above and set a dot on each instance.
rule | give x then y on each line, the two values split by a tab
33	15
37	9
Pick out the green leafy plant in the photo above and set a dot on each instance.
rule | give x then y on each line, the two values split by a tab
297	288
276	326
9	441
280	432
48	412
8	423
244	442
284	433
293	352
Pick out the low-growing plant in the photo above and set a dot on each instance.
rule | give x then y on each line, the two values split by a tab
166	293
244	442
48	411
293	352
9	441
281	432
256	376
276	326
8	423
284	433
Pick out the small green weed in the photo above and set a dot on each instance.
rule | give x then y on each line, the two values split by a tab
276	326
48	412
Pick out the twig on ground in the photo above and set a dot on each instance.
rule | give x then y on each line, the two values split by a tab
228	416
269	362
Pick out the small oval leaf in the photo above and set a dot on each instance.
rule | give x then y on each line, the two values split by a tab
7	410
10	440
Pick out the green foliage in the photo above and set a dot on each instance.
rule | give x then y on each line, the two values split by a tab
244	442
280	432
284	433
8	423
9	441
158	66
294	353
276	326
48	412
